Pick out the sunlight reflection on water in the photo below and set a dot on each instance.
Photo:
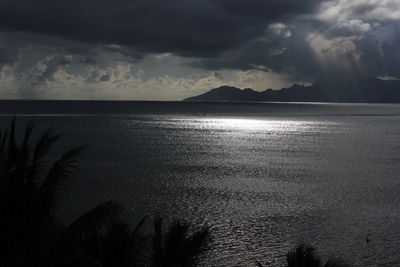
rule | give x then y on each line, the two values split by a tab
247	125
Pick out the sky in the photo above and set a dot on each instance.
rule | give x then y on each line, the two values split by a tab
170	50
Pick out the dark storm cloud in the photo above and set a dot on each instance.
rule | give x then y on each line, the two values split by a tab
128	53
88	61
271	9
282	51
386	59
8	55
192	28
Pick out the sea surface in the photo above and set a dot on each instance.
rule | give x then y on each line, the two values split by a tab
263	176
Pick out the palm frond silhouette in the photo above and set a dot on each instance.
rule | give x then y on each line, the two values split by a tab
178	247
30	193
102	237
303	256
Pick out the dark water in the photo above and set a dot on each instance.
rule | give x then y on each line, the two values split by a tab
263	176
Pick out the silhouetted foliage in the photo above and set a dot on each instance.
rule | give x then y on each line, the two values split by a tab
178	247
93	236
303	256
112	244
306	256
29	194
336	262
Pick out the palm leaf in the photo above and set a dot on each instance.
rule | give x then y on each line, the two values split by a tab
157	243
336	262
49	191
137	228
303	255
3	140
95	219
12	149
178	247
42	147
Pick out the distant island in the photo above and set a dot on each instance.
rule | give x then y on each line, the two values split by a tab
372	90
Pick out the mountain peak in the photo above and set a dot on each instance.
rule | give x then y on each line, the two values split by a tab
369	90
226	88
226	93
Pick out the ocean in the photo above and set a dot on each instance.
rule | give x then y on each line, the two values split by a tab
263	176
